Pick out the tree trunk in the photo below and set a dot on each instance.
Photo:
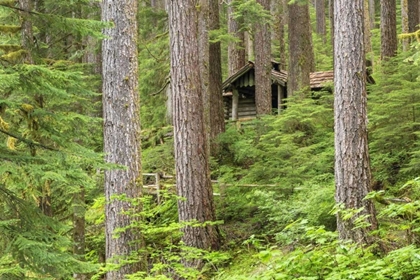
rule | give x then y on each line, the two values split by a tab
263	65
79	229
278	11
191	154
121	132
320	19
249	46
91	55
352	170
282	30
275	12
26	31
372	14
413	15
236	50
367	33
204	47
331	17
389	41
301	56
217	119
404	23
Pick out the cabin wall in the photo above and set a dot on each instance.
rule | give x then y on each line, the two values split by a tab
246	107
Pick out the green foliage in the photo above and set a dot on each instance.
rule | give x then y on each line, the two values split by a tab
162	249
315	253
250	12
153	67
290	156
154	91
50	138
394	107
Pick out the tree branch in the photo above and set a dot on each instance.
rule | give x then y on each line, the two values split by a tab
28	142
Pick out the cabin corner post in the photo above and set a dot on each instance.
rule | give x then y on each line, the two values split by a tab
235	104
280	96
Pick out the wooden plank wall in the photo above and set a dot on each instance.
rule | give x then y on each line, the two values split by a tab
246	108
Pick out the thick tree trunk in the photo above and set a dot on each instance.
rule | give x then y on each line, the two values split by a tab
26	31
121	131
236	50
204	47
372	14
413	15
352	170
320	18
263	65
389	41
301	56
217	119
191	154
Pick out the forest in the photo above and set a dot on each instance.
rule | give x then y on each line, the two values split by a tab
210	139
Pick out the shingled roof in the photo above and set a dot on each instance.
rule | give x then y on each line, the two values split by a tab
317	79
320	79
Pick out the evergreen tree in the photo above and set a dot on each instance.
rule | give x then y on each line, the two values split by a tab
352	167
320	18
301	56
236	48
193	182
46	97
404	23
122	143
217	115
413	15
263	64
389	43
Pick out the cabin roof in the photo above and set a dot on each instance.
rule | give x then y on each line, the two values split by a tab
244	77
277	77
319	79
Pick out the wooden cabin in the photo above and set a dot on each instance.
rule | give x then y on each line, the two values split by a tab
239	90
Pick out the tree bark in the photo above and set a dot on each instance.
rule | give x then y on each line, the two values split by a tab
282	30
389	41
404	23
217	119
331	17
278	11
367	33
236	50
352	170
320	19
204	47
301	56
79	229
26	31
263	65
121	132
372	14
191	154
413	15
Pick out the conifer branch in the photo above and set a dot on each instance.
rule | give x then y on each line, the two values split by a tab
28	142
168	81
7	5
